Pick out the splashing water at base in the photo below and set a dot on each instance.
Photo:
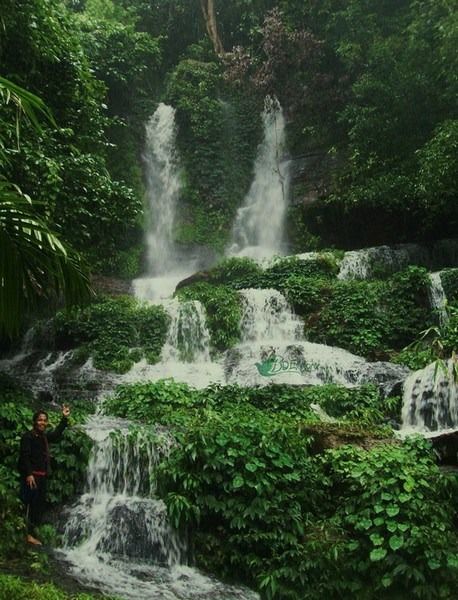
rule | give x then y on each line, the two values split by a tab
118	538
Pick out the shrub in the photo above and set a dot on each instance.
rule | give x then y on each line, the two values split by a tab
110	328
449	279
14	588
397	511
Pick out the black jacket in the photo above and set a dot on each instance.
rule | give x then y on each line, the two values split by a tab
34	454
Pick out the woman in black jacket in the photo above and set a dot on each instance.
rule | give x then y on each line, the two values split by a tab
34	467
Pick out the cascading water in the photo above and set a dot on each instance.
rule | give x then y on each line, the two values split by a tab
273	350
438	297
258	226
186	352
267	316
165	268
118	538
188	338
430	395
365	263
430	400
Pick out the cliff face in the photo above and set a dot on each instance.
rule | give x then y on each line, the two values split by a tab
311	176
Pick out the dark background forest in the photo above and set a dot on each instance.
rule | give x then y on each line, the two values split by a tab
369	89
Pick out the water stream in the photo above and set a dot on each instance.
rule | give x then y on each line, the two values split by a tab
438	297
258	227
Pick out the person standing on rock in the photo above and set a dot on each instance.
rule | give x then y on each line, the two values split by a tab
34	467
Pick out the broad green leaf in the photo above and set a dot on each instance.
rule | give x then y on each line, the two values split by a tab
378	554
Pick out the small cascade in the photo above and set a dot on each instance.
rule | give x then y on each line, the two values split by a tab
430	399
386	260
117	536
258	228
268	318
163	186
186	352
438	298
188	338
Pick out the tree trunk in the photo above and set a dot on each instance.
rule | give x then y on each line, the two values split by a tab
208	11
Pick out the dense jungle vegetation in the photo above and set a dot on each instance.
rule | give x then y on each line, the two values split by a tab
369	89
369	84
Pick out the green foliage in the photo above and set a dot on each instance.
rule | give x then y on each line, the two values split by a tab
244	272
449	279
437	343
396	508
218	133
66	168
438	180
244	475
14	588
396	164
35	265
111	328
222	305
236	272
166	401
371	317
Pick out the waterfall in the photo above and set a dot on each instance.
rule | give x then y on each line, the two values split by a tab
430	399
117	536
188	338
258	226
163	187
267	317
386	260
438	298
165	266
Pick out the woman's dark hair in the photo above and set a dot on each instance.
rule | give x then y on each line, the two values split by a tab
37	414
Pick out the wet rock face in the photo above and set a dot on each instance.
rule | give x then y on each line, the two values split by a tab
128	535
57	376
387	376
386	260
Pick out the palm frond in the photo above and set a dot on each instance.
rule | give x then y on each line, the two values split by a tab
27	103
35	265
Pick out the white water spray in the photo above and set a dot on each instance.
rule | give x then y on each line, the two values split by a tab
258	226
